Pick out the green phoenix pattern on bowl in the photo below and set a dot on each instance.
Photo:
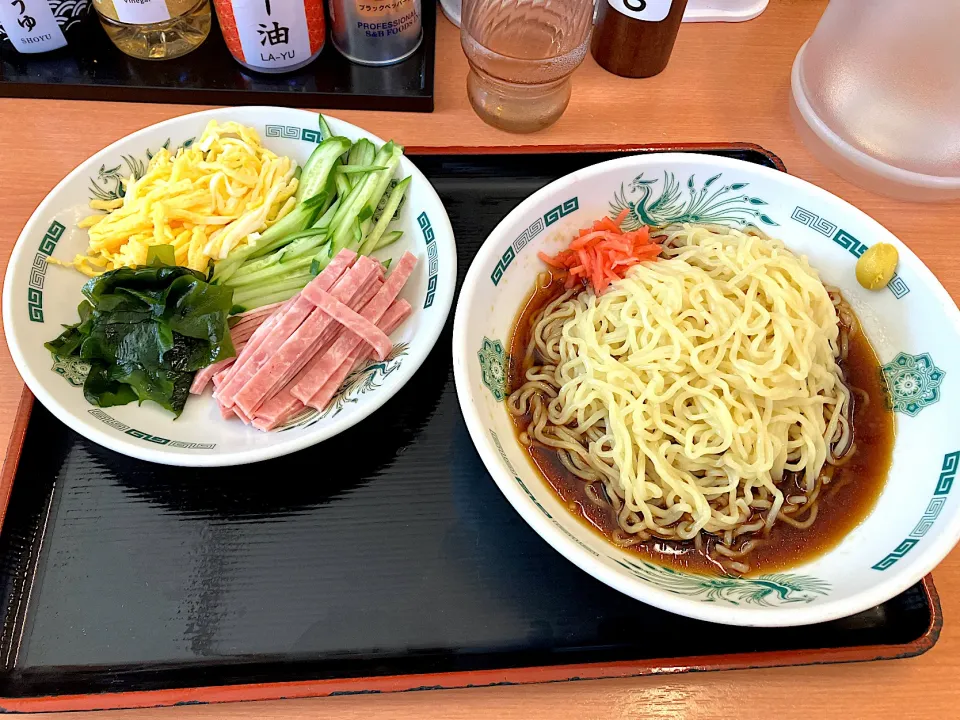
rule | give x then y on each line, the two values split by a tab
701	204
912	381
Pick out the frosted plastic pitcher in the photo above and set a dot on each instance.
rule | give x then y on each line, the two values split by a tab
876	95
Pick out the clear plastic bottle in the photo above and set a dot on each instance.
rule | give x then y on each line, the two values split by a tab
876	95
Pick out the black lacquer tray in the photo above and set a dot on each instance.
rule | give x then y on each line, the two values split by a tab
399	566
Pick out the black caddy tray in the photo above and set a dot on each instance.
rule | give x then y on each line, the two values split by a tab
383	559
91	68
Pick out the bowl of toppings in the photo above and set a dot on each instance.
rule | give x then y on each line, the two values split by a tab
716	388
229	286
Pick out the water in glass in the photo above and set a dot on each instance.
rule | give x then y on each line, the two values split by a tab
521	55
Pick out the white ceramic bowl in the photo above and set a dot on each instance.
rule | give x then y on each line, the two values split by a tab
38	298
913	325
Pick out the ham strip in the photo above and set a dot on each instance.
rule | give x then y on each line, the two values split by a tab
249	325
281	413
219	377
252	344
264	310
327	364
354	322
240	334
283	403
205	375
304	348
288	321
242	368
231	413
282	365
395	314
239	339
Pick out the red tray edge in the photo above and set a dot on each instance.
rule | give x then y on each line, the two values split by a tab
451	680
483	678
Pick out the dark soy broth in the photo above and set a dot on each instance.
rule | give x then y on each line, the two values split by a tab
844	504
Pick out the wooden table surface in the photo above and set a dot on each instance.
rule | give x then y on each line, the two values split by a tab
725	82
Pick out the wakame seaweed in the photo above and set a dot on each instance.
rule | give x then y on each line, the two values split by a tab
145	331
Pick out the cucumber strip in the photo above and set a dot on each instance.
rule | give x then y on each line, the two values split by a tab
324	222
354	242
262	248
317	168
325	130
350	204
320	260
244	296
359	169
252	266
270	299
383	183
385	177
292	253
366	153
353	157
271	238
389	238
361	153
342	184
372	240
343	223
302	247
269	275
312	238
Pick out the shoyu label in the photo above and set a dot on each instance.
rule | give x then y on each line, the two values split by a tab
30	25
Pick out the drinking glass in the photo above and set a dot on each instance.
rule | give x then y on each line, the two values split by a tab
521	55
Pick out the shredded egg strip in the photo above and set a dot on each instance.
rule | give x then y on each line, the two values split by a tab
206	200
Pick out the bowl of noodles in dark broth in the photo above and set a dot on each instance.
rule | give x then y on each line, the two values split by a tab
669	368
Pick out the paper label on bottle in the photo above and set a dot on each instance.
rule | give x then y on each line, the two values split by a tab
273	33
141	12
649	10
31	26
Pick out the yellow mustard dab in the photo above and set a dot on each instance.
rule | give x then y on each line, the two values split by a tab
205	201
876	266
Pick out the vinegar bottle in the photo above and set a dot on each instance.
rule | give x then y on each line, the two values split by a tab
155	29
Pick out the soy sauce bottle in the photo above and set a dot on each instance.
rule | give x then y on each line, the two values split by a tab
634	38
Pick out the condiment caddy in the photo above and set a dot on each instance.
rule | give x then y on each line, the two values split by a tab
90	67
269	36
